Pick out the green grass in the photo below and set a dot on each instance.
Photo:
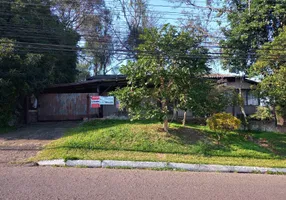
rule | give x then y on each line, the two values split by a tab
144	141
276	141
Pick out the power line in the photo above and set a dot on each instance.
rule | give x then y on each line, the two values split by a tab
43	35
215	45
123	51
161	18
151	5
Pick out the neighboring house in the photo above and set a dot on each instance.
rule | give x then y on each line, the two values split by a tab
239	82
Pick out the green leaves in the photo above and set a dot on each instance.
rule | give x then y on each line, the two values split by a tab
32	57
249	30
271	68
167	61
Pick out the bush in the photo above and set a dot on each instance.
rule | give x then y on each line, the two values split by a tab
262	113
221	123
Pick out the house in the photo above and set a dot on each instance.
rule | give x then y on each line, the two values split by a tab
72	101
239	82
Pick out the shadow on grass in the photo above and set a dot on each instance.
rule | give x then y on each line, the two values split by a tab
235	139
277	141
203	144
104	124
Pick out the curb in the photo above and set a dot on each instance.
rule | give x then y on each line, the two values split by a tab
158	165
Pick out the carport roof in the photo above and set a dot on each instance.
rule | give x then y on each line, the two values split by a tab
105	82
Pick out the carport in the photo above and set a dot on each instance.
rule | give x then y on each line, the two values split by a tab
71	101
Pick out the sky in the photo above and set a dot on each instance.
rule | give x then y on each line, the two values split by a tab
197	13
169	14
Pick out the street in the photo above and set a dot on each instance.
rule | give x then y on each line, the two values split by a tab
82	183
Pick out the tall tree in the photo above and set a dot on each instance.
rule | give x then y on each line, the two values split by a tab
99	41
36	50
251	24
92	20
166	56
271	68
136	16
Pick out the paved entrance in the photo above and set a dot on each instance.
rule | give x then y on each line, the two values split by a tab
25	142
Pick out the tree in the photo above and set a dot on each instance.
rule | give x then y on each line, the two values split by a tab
271	68
83	71
92	20
190	94
136	17
201	21
251	24
36	50
99	42
78	13
166	56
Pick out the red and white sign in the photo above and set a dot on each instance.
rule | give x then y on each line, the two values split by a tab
96	101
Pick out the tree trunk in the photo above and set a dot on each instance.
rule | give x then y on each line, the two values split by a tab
218	139
165	110
275	115
166	126
184	119
175	112
241	105
95	70
233	109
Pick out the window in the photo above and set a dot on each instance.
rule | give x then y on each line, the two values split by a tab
252	100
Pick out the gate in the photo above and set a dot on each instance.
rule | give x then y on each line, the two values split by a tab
60	107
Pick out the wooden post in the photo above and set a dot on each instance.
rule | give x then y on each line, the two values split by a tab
233	110
100	110
27	110
88	106
185	117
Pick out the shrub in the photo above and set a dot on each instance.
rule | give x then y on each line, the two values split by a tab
221	123
262	113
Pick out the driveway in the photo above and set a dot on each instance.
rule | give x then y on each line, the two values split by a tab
25	142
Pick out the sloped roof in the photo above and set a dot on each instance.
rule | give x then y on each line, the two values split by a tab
226	76
216	75
88	86
106	77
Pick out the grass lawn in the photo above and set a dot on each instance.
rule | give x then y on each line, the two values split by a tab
274	141
145	141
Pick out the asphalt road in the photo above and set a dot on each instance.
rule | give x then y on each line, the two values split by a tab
82	183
